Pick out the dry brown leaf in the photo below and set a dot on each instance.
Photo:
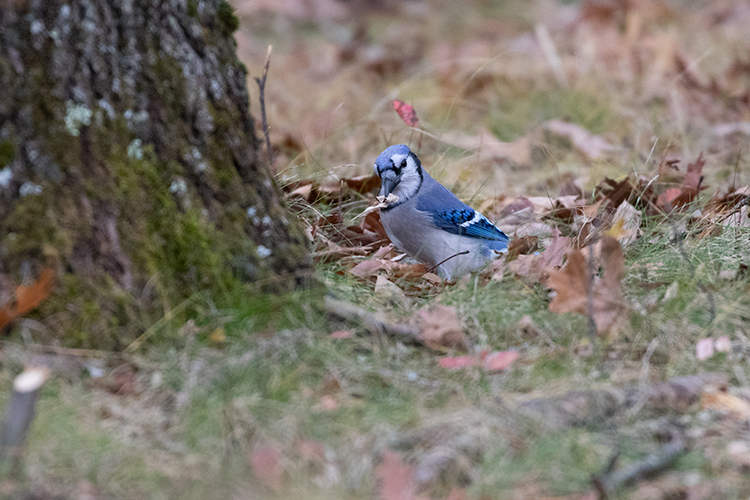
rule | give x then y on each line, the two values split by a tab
362	184
395	478
371	267
389	291
27	297
592	146
522	245
533	268
690	186
441	328
573	282
265	462
516	205
738	408
488	148
120	381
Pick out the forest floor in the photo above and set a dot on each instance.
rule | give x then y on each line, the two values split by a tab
606	138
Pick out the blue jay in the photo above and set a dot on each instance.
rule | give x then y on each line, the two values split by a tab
428	222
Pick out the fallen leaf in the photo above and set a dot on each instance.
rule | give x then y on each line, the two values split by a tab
456	494
363	184
522	245
534	268
739	452
406	112
218	336
592	146
389	291
573	283
120	381
370	267
342	334
312	451
704	349
488	148
27	298
328	403
441	328
265	462
497	361
626	224
516	205
724	402
723	344
372	223
690	186
459	362
395	478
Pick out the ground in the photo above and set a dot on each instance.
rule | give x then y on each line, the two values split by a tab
525	109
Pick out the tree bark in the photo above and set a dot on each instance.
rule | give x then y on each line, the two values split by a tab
129	164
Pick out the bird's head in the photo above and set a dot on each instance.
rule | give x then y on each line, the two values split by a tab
400	172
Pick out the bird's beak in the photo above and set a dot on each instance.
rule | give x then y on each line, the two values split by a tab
388	183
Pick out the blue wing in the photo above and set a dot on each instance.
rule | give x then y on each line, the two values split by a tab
452	215
468	222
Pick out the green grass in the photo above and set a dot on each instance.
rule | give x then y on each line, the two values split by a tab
266	381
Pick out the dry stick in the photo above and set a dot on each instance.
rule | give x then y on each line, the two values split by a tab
610	481
445	260
20	413
590	298
373	323
262	97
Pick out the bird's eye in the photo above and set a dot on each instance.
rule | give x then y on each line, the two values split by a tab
403	163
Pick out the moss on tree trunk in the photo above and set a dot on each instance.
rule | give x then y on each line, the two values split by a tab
129	163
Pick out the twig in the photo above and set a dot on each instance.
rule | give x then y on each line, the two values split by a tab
593	331
445	260
134	345
607	483
372	322
262	97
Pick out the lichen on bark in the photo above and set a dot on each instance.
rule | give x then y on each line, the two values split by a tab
129	163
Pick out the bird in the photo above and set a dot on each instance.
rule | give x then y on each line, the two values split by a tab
428	222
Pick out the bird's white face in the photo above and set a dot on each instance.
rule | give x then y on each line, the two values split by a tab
400	174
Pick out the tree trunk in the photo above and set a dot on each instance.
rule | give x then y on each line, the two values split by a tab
129	163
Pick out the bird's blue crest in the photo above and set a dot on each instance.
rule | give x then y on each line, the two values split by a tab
385	157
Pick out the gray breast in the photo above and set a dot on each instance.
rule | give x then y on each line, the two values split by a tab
410	230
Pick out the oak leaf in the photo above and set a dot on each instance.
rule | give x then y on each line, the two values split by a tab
574	285
441	328
27	298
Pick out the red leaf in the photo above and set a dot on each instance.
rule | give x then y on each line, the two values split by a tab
396	479
342	334
497	361
266	464
406	112
458	362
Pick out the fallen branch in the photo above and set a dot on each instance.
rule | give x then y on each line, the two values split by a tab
262	97
609	482
372	322
577	408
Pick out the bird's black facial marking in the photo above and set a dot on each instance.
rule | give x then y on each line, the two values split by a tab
398	168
